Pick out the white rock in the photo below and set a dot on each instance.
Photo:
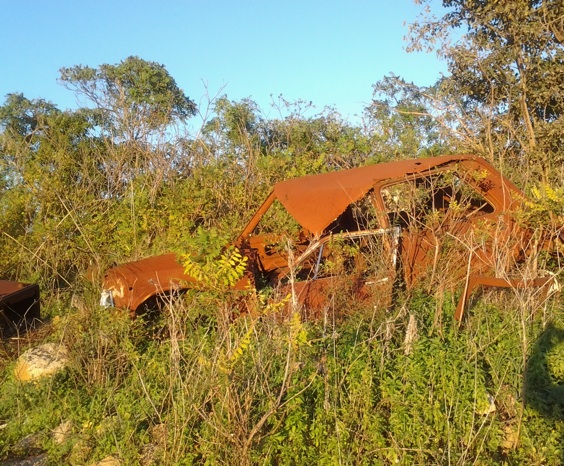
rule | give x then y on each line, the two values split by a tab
62	432
41	361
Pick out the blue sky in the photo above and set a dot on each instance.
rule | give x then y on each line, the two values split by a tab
329	52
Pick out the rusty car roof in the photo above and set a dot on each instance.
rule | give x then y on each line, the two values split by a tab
314	201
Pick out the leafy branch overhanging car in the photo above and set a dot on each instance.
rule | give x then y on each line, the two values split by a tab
448	221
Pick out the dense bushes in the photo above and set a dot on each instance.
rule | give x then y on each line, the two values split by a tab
203	389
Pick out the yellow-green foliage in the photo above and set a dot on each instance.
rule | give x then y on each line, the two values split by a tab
219	273
546	206
217	265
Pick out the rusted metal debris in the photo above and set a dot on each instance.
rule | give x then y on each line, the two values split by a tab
445	222
19	306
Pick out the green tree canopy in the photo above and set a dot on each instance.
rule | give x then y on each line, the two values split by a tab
400	122
136	97
505	88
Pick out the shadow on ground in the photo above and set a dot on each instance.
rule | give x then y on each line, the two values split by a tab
544	376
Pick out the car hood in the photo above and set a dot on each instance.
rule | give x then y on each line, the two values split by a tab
134	282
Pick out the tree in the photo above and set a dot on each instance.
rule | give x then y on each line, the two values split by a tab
72	179
53	186
505	85
135	97
400	122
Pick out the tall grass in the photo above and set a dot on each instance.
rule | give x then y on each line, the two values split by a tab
196	387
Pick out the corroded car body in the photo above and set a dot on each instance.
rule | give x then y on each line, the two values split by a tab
445	221
19	306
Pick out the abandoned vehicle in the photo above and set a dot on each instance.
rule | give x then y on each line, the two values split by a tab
19	306
447	221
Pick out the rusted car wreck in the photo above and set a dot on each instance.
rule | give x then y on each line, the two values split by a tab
444	222
19	306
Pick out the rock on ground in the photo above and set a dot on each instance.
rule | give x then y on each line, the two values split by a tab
41	361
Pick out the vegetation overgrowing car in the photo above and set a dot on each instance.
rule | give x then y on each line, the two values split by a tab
448	222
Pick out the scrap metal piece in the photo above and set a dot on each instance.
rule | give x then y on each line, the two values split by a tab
516	283
19	306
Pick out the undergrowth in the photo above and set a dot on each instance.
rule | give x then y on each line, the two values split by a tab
402	387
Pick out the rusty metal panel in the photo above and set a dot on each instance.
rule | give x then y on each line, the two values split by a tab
476	280
133	283
316	200
19	306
